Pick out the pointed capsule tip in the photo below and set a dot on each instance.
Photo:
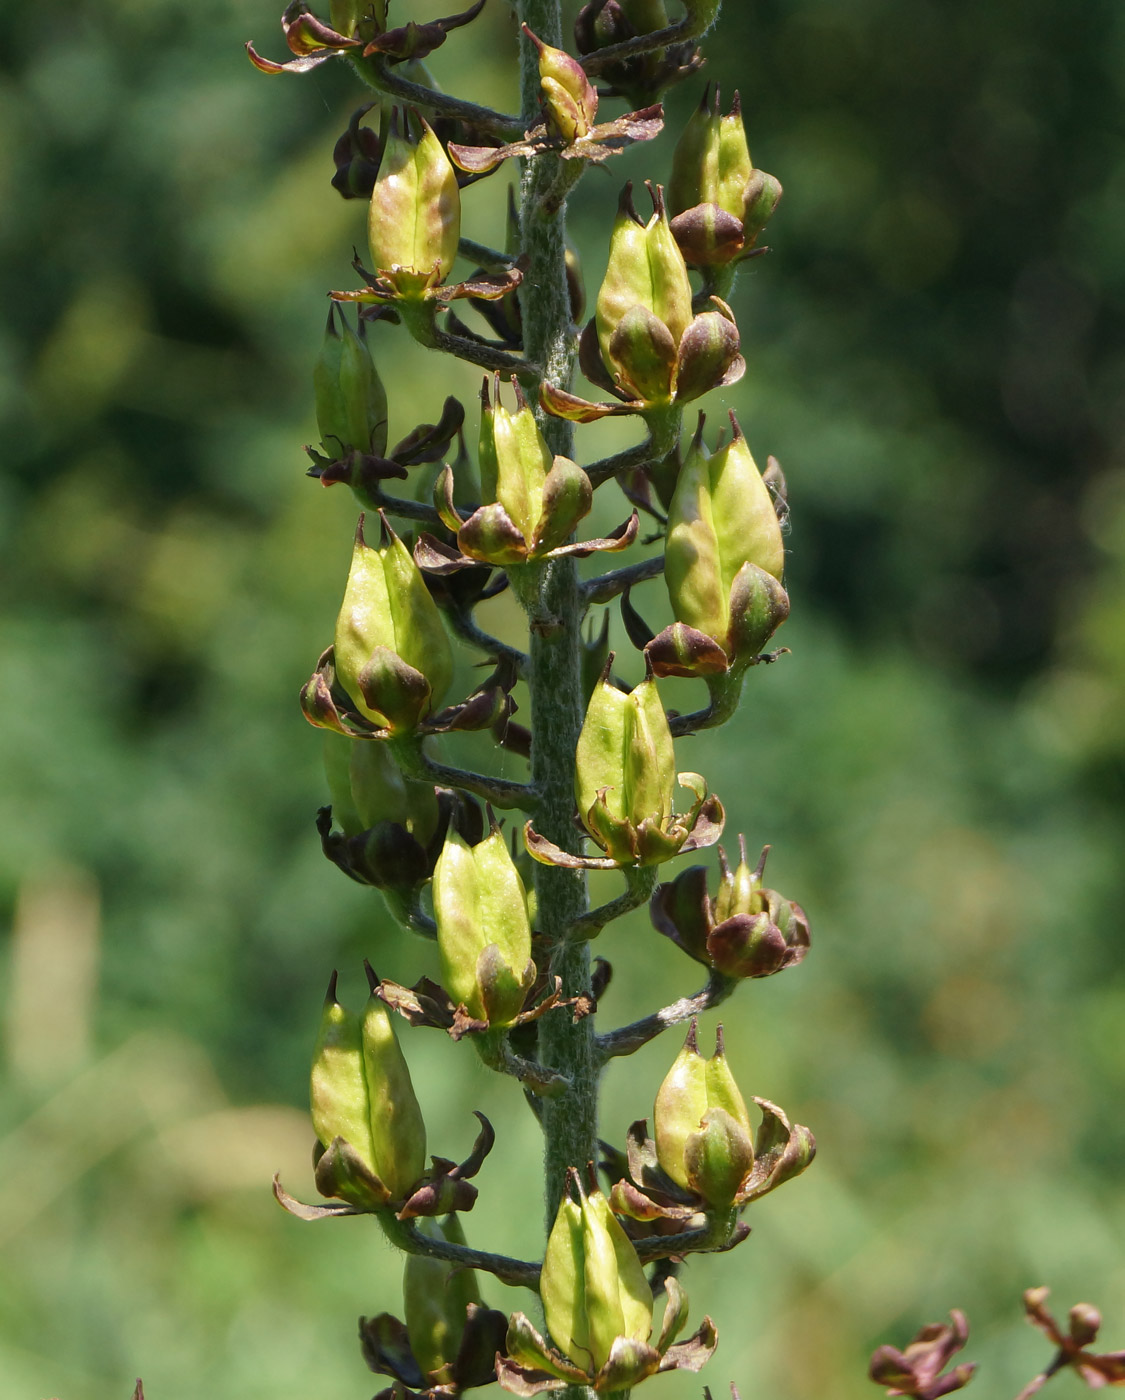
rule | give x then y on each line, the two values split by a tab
697	437
720	1043
528	33
330	995
330	325
493	824
759	869
741	848
372	979
625	205
692	1041
736	104
521	398
484	399
656	194
603	679
735	428
724	864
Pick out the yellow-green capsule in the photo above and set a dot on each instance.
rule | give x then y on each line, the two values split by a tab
646	270
392	654
593	1286
569	98
484	936
599	768
351	403
414	218
721	518
398	1133
703	1135
338	1084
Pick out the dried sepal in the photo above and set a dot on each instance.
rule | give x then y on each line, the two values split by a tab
917	1369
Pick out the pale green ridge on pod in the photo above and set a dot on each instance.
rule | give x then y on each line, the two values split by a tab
484	936
721	517
414	219
693	570
703	1135
386	604
592	1285
646	269
599	758
436	1296
562	1284
398	1134
337	1084
649	756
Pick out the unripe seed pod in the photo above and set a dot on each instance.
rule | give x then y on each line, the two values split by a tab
436	1296
414	220
392	654
593	1286
351	403
569	97
360	1091
646	269
514	460
484	935
625	762
703	1135
721	518
719	202
398	1134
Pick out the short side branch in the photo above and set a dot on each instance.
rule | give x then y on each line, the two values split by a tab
516	1272
606	587
377	73
626	1039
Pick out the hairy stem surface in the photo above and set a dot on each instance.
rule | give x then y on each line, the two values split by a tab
569	1119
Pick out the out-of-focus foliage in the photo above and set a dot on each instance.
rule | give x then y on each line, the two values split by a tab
936	354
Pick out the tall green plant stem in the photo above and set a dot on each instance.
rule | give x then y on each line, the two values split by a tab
555	614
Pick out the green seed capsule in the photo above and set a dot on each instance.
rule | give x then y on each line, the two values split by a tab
593	1287
483	931
360	1091
392	654
414	219
569	98
646	271
721	518
703	1135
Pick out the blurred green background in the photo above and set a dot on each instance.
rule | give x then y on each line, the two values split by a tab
936	353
